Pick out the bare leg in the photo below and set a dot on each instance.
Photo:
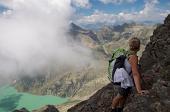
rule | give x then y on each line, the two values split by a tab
122	102
115	101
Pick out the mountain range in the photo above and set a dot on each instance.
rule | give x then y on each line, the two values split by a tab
81	84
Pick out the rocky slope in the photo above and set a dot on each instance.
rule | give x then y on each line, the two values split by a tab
107	38
119	35
71	83
107	34
155	63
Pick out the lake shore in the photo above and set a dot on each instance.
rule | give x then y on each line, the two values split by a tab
10	100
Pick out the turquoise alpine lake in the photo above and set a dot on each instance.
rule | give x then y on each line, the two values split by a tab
10	99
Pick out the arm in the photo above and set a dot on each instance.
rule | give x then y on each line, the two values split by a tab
136	75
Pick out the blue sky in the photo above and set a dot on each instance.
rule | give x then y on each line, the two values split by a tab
110	7
117	11
2	8
119	7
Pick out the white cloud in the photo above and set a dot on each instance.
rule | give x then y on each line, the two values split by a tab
98	17
117	1
81	3
33	38
149	13
152	1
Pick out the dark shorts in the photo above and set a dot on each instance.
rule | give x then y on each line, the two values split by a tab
122	91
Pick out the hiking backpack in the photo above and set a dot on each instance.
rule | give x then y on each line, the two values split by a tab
117	61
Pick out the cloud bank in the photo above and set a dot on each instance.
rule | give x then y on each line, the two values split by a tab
81	3
34	40
150	12
117	1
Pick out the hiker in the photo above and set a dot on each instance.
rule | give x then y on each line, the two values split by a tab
122	91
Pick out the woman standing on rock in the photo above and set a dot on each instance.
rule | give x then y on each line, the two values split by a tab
131	66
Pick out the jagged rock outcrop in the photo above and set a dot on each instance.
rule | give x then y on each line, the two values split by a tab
21	110
48	108
155	63
77	32
99	102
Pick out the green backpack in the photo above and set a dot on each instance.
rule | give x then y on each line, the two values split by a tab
116	53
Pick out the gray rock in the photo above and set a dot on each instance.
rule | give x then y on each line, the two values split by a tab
48	108
21	110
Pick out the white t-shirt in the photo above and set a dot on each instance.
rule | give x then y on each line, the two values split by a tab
123	76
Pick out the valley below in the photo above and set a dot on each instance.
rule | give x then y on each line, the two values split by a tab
80	83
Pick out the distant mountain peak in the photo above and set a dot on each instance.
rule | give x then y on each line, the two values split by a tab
76	27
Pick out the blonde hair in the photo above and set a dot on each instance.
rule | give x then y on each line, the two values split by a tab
134	44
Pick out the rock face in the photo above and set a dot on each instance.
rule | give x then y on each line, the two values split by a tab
21	110
155	63
78	34
158	49
48	108
99	102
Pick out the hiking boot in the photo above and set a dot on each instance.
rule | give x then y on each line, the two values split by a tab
114	110
119	110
